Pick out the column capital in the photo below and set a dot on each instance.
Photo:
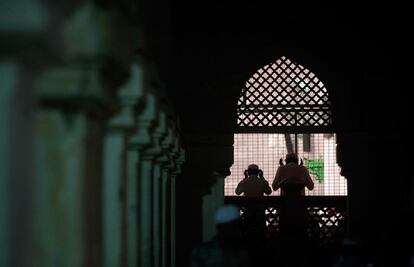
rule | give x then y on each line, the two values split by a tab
23	29
146	122
158	133
94	32
74	87
131	96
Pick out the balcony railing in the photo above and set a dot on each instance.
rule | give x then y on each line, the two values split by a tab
326	216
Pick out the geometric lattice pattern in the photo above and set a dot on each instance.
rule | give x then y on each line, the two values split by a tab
326	223
283	94
327	220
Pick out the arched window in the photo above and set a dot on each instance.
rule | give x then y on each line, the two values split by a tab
283	94
282	108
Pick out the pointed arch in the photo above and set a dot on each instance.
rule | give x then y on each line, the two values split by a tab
283	94
284	107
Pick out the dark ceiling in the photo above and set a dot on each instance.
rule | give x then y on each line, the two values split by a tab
359	52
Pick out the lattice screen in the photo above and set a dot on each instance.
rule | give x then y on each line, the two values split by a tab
326	223
318	151
283	94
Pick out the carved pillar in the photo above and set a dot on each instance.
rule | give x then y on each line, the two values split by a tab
23	44
164	222
133	206
76	95
113	196
140	141
137	85
219	153
6	70
211	203
170	167
17	172
205	154
166	168
119	177
156	156
69	146
180	157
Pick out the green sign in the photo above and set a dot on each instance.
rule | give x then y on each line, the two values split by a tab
315	166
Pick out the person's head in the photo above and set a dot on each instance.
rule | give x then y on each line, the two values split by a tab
253	169
227	219
292	158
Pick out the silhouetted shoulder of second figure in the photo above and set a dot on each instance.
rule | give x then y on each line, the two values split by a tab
292	175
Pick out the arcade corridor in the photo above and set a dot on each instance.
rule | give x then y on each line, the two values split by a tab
121	121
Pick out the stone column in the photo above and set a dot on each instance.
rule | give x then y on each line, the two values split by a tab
156	156
213	153
166	168
69	146
140	141
164	221
170	168
208	206
17	172
173	240
119	177
113	197
136	85
146	207
76	95
211	203
23	44
6	75
132	208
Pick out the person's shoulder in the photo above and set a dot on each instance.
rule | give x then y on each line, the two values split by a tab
243	181
303	167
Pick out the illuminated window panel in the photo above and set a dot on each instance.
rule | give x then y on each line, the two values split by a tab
317	150
284	96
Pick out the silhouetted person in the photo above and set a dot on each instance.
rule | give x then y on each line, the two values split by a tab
226	248
292	178
254	185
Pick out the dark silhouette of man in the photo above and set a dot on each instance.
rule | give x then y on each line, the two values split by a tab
292	178
254	217
254	184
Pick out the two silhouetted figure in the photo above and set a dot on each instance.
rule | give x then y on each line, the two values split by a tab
291	178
